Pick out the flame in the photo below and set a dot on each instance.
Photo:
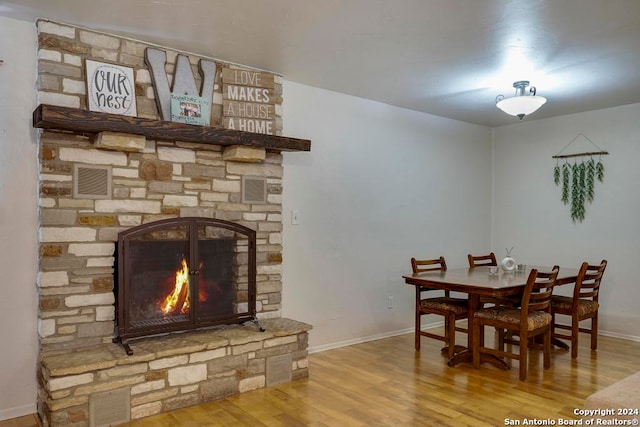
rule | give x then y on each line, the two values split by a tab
178	300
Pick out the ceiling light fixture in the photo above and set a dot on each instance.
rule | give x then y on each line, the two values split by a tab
521	104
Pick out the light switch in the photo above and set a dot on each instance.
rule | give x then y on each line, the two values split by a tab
295	217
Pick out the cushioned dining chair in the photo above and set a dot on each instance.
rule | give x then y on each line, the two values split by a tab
451	309
533	318
581	306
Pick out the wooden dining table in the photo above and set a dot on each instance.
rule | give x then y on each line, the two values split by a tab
477	282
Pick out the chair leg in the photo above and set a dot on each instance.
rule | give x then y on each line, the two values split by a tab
547	349
575	330
524	352
446	335
594	332
417	318
417	343
451	332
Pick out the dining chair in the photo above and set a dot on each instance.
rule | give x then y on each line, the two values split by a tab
451	309
581	306
489	261
482	260
531	319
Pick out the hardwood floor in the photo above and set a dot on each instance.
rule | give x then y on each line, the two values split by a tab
386	383
26	421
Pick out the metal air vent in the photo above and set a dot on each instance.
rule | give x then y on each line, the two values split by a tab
91	182
279	369
254	189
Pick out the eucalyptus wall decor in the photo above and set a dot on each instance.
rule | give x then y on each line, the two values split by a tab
578	180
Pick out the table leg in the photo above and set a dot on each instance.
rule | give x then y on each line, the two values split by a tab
458	348
466	356
560	344
554	342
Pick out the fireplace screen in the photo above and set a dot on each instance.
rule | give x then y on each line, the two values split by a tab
182	274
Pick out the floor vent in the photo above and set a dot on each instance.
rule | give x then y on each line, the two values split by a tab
279	369
254	189
110	408
92	182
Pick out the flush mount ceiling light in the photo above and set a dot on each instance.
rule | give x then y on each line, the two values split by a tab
521	104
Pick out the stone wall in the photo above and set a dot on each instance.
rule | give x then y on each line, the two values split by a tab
151	180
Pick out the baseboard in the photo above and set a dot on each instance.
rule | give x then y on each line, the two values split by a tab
7	414
338	344
617	335
612	334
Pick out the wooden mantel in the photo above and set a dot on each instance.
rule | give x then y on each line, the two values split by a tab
91	122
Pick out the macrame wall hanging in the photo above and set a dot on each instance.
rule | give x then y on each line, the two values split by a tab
578	180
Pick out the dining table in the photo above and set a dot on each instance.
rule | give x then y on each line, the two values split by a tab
478	282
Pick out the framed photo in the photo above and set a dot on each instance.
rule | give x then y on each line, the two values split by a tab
194	110
110	88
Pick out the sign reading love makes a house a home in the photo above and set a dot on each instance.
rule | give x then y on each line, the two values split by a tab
248	101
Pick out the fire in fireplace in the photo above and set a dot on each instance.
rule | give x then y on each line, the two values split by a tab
182	274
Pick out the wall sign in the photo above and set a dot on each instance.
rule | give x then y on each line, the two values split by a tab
110	88
248	101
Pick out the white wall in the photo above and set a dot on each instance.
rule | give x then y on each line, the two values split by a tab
381	184
18	220
529	215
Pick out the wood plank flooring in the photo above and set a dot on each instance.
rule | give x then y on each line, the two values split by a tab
26	421
386	383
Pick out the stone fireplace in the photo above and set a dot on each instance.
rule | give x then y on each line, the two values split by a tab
103	177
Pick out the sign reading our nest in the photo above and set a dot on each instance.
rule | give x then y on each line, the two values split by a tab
110	88
248	101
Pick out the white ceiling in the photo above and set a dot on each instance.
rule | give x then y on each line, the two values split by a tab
450	58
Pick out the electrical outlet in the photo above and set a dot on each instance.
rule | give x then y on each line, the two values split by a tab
390	302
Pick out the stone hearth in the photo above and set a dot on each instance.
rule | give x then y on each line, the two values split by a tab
171	372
